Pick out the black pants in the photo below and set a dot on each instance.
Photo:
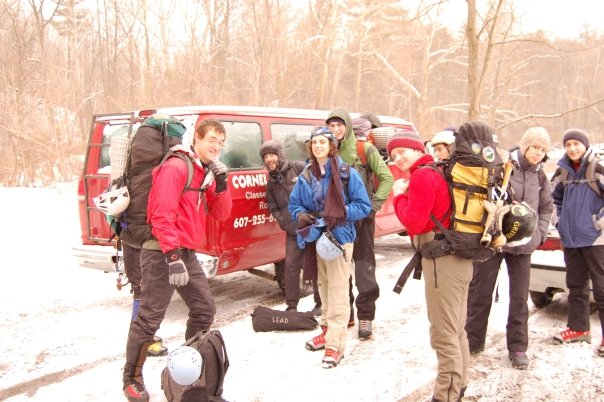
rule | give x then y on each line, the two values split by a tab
364	269
294	261
582	264
132	268
155	298
480	299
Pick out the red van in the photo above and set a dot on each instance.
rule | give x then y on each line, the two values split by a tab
250	237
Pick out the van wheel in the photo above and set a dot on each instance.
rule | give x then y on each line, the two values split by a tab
541	299
280	275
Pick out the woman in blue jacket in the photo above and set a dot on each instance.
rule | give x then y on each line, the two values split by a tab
580	222
326	200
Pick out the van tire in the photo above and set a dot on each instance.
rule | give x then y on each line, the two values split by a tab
541	299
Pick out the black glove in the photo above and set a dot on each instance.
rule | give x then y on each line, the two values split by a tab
305	219
178	272
221	173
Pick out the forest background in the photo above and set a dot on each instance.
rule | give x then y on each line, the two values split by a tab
63	61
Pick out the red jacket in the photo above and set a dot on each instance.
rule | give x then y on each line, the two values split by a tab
427	194
178	219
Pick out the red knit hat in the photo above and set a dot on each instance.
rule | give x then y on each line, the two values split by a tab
405	140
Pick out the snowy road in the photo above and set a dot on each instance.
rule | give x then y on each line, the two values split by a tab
63	331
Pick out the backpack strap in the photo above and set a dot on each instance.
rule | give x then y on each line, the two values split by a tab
361	152
345	178
217	343
594	168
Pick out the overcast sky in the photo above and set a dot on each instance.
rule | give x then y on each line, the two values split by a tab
558	18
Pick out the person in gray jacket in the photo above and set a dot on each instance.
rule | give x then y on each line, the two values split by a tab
282	176
529	185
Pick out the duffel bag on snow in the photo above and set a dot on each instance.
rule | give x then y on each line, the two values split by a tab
265	319
214	366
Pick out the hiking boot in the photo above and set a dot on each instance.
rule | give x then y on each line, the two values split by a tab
318	342
476	350
601	349
331	358
519	360
365	331
316	310
157	348
570	336
136	392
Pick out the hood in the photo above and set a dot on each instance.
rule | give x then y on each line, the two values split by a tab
349	141
272	147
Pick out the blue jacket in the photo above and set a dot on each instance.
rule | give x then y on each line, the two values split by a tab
579	210
309	195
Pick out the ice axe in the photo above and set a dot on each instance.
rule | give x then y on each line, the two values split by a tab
492	235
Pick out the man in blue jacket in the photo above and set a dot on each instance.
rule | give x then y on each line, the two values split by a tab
580	222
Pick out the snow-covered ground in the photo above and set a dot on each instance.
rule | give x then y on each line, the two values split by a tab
64	329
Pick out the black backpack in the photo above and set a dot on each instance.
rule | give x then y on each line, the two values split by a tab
149	148
215	364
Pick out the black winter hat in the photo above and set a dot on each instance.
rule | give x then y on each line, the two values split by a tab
576	134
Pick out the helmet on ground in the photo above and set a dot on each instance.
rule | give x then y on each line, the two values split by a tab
184	365
519	224
328	247
113	202
443	137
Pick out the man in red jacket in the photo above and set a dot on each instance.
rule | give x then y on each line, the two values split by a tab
447	278
178	221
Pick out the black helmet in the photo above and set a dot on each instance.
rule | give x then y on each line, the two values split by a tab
519	223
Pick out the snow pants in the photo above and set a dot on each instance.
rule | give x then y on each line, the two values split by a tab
156	293
480	300
333	281
364	269
447	280
582	264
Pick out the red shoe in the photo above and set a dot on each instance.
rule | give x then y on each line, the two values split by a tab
136	393
331	358
318	342
570	336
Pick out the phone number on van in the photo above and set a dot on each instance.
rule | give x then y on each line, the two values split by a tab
253	220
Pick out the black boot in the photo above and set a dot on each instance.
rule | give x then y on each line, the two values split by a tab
192	330
134	386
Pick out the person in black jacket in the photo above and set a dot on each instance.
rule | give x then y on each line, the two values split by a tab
282	176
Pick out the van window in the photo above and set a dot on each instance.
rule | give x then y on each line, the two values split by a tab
293	137
242	145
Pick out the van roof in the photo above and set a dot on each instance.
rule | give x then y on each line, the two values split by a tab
249	111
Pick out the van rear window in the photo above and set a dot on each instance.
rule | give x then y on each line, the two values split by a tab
242	145
293	138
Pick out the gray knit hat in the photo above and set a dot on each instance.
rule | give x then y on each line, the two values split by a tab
536	136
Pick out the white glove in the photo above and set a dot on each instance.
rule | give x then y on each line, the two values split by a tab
178	272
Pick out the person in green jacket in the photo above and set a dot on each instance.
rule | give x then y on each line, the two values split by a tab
340	124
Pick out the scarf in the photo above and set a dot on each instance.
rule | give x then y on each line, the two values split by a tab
334	214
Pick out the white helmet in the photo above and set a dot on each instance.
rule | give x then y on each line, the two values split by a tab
184	365
113	202
443	137
328	247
